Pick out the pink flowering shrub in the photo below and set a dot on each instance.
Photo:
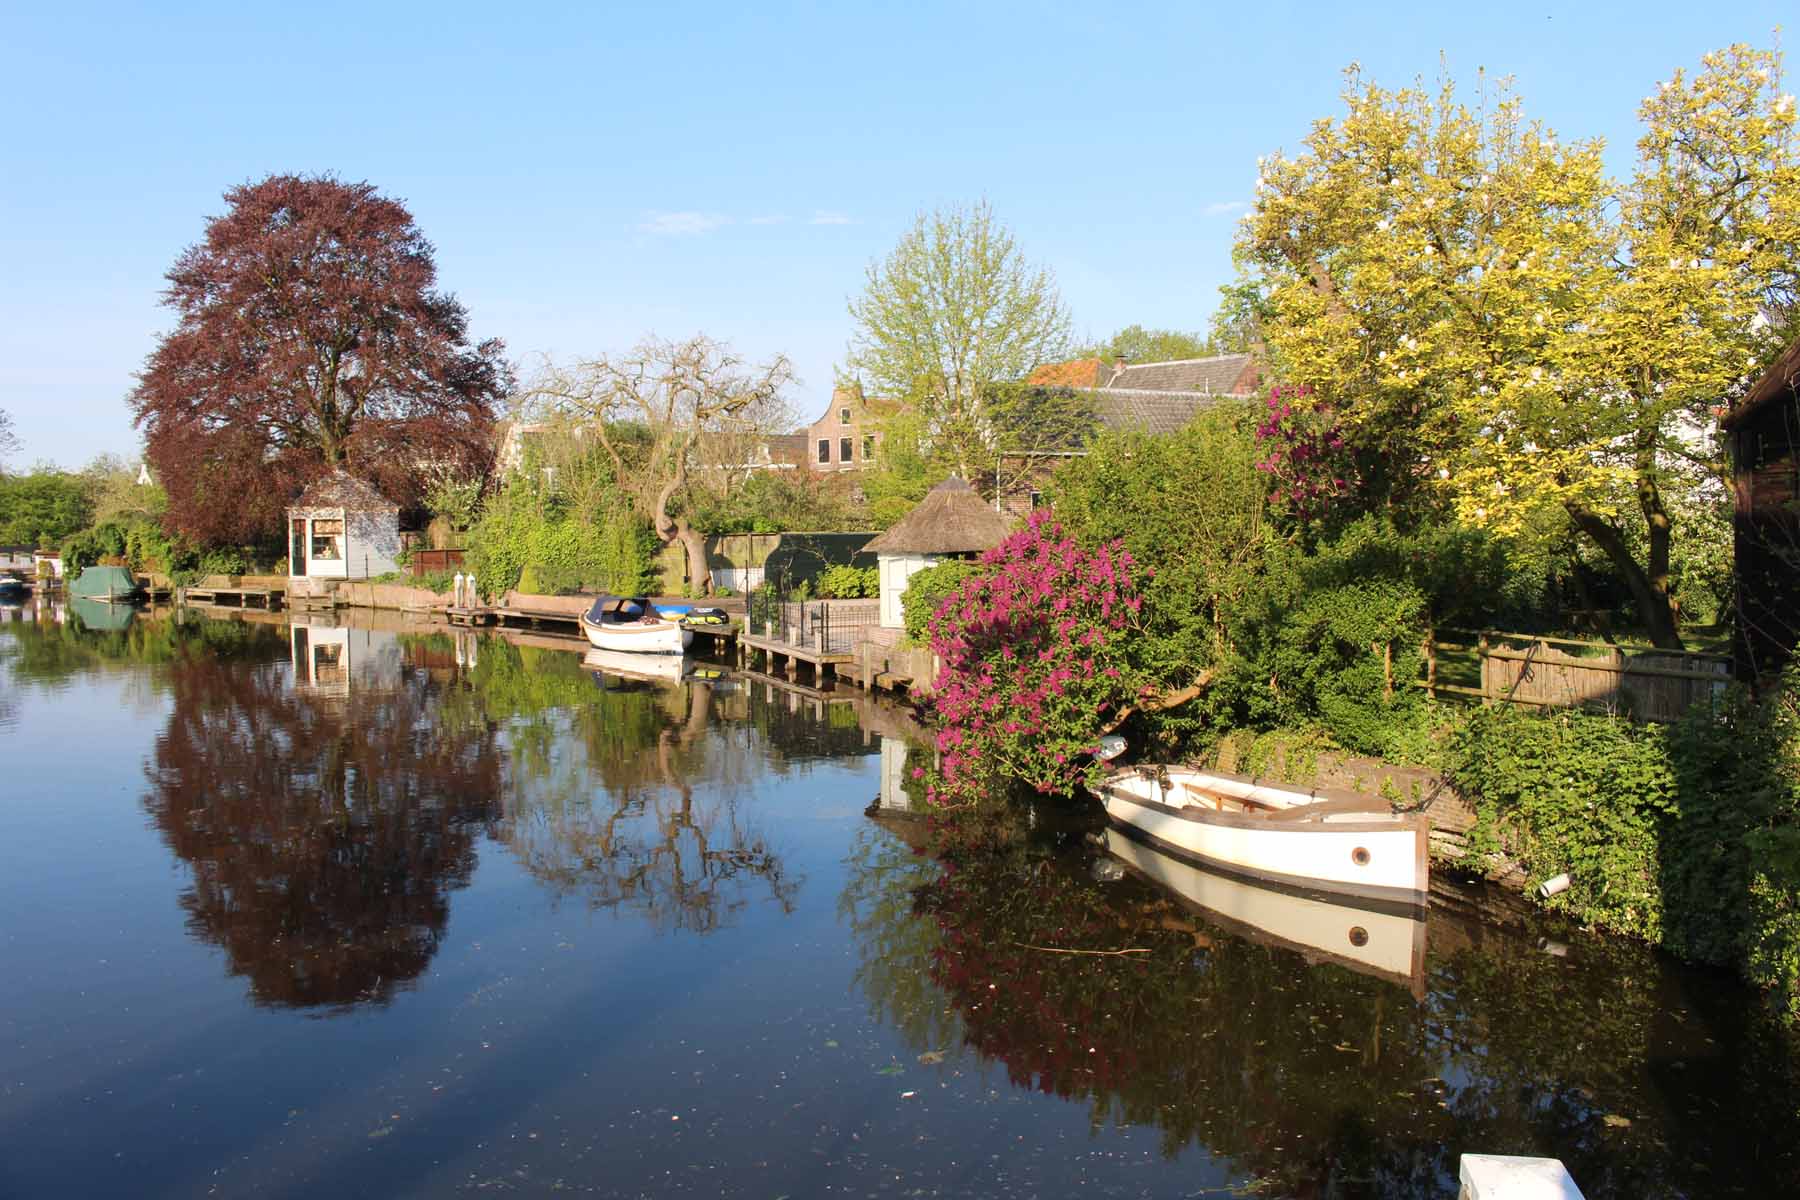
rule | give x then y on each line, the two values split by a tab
1033	664
1305	453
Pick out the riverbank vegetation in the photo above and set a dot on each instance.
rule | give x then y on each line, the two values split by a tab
1499	369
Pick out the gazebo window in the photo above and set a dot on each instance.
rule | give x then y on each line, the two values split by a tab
328	541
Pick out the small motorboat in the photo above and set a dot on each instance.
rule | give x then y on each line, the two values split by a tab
632	624
1329	840
12	586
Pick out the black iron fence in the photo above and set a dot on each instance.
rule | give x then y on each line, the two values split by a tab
778	612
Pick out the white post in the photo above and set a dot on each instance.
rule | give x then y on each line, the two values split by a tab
474	596
456	590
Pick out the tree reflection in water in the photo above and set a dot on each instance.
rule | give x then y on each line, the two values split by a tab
324	833
625	794
1311	1079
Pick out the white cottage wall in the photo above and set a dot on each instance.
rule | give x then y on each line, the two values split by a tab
896	571
374	539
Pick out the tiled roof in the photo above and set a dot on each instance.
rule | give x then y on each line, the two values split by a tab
1150	411
1076	373
1219	375
340	489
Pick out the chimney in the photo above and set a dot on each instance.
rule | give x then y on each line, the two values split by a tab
1118	369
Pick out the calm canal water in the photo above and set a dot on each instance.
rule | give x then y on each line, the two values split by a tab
317	911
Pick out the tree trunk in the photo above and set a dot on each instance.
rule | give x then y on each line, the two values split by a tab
1649	588
699	575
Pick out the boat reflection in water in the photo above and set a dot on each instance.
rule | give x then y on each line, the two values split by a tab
1384	940
622	664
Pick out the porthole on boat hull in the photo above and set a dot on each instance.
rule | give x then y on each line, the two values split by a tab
1360	856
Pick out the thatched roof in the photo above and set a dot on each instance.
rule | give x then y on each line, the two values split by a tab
340	489
951	519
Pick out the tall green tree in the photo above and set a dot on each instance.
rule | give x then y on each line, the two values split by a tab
1136	344
954	308
42	507
1504	331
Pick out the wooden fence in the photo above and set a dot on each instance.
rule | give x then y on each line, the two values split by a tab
424	562
1548	672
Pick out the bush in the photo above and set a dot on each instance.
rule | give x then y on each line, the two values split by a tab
1686	835
1034	666
523	527
849	583
926	592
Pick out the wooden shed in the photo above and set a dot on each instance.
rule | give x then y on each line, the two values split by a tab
952	521
1763	439
342	528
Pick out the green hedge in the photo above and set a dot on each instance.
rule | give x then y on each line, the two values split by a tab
1687	835
926	590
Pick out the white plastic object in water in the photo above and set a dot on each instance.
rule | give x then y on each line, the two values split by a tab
1506	1177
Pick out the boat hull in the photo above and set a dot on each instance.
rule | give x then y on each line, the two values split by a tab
654	668
654	637
1367	856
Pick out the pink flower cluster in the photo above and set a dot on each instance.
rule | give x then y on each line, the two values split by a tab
1306	453
1032	650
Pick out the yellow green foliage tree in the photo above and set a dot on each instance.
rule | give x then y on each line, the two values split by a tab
1501	328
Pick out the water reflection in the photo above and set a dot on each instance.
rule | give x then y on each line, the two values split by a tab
324	824
1317	1074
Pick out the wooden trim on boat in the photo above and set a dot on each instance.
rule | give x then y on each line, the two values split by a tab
1289	821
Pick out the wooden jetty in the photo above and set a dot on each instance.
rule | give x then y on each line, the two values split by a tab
225	591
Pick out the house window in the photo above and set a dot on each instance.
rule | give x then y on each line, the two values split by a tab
868	446
844	454
1037	500
328	541
843	416
824	449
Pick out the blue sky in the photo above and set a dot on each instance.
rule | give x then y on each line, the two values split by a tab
589	174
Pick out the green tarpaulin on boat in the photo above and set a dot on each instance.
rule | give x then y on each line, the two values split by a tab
101	583
101	617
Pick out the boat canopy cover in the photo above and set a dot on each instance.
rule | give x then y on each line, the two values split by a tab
619	608
104	581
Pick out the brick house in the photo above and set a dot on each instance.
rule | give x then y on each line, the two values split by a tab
847	435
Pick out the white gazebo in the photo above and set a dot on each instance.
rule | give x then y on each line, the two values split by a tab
341	528
952	521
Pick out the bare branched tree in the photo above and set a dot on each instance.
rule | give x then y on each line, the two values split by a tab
682	396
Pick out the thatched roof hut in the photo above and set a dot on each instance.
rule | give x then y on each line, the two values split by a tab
951	522
951	519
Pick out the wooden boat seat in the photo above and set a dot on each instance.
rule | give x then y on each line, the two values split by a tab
1218	800
1333	807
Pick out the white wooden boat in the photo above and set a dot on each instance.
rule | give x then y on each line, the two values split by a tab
1346	843
1385	940
632	624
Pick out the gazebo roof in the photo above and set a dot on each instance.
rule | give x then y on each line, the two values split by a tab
951	519
340	489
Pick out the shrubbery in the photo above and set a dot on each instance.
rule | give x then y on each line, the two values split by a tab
1687	835
927	590
530	539
848	583
1033	656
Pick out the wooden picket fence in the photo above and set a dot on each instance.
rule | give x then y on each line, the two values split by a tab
1548	672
